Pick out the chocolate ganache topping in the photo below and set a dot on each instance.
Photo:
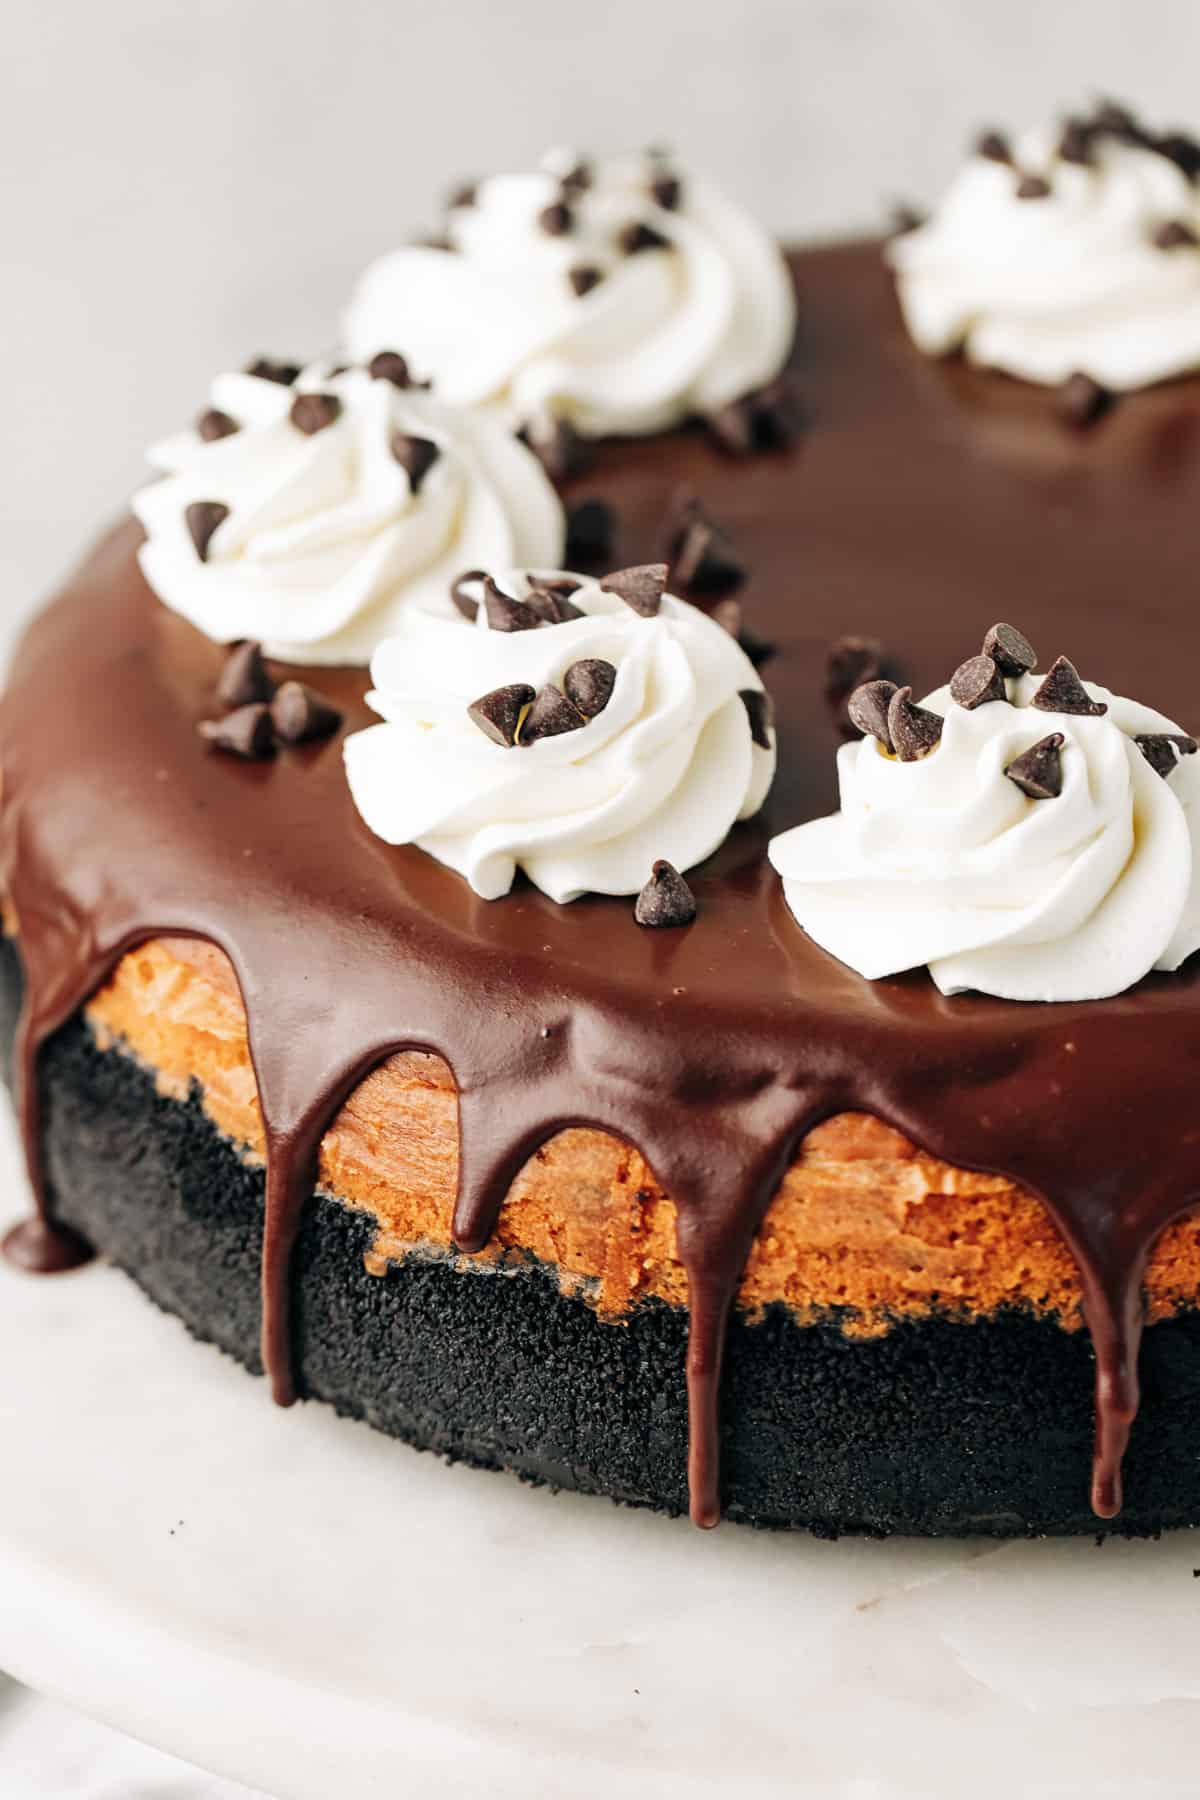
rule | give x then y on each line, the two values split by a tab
712	1048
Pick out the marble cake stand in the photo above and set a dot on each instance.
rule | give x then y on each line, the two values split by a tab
288	1600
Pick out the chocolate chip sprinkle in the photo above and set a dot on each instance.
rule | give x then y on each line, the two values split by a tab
702	558
914	730
1063	692
852	662
904	217
1033	187
313	412
556	444
1080	401
498	713
1038	770
1175	234
583	277
550	714
641	587
557	219
465	194
577	179
977	681
246	732
993	146
762	420
389	365
466	603
213	424
244	677
267	369
1163	750
503	612
589	684
1075	143
760	710
300	715
868	710
1010	650
202	518
591	528
416	456
666	899
551	605
667	192
637	236
727	613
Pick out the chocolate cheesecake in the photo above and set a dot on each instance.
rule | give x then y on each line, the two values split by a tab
687	1216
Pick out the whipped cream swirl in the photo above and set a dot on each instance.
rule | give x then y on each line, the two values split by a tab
615	295
668	745
947	860
1075	251
309	515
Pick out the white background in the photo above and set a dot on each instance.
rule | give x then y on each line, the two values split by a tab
185	182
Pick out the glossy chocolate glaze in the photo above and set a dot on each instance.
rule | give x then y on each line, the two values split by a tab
925	502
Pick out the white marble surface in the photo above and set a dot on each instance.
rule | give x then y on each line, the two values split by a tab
291	1601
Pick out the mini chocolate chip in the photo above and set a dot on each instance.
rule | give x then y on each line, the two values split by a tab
213	424
867	709
733	428
583	277
466	603
550	715
244	677
589	684
852	662
267	369
1010	650
311	413
1181	149
416	456
1080	401
1110	116
389	365
246	732
993	146
1033	187
977	681
666	899
299	714
728	615
763	420
577	179
1075	143
1164	749
667	190
551	605
1038	771
498	714
1063	692
703	560
503	612
557	446
557	219
760	710
1175	234
903	217
914	730
637	236
591	528
202	518
641	588
465	194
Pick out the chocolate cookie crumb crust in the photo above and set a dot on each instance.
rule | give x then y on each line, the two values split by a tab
935	1427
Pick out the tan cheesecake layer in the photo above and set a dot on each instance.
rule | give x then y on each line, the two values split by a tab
863	1222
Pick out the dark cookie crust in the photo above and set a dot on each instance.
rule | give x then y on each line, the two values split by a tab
938	1428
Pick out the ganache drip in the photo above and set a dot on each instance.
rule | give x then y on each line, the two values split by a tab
712	1050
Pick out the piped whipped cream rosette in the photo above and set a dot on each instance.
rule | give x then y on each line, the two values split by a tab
1029	836
614	294
583	731
309	512
1074	250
